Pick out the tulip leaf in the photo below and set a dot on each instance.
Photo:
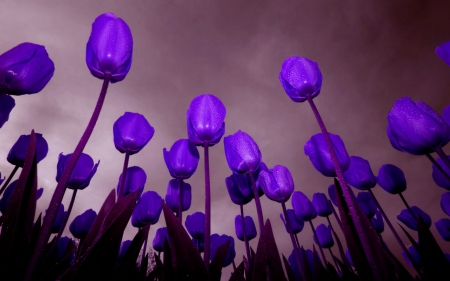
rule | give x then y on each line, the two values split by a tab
287	266
334	276
156	273
320	273
143	269
215	268
305	270
61	266
168	273
238	274
401	271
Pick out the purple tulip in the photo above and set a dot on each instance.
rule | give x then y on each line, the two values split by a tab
132	132
135	180
217	241
39	192
195	225
414	254
242	153
199	244
322	205
63	244
182	159
236	184
325	238
392	179
443	227
250	228
415	128
82	173
25	69
205	120
446	114
7	196
319	155
18	152
309	260
7	103
173	195
303	208
296	223
366	203
445	203
123	249
110	48
440	179
332	194
81	225
406	218
57	224
359	174
277	183
300	78
148	209
160	236
443	52
377	222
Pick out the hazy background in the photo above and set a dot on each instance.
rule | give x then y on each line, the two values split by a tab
369	54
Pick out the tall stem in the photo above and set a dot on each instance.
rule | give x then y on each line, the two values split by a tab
338	241
318	242
247	246
439	167
143	250
61	187
296	240
257	203
180	202
338	220
291	234
8	180
444	158
407	205
207	208
124	175
334	258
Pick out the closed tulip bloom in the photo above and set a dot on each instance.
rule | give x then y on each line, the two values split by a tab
322	205
199	244
57	224
135	180
445	203
303	208
443	52
300	78
195	225
82	173
7	196
7	103
377	222
124	248
63	244
132	132
406	218
25	69
160	236
319	155
234	183
110	48
414	254
39	192
205	120
250	228
296	223
324	235
416	128
443	227
359	174
18	152
81	224
332	194
309	261
391	178
182	159
366	203
173	195
277	184
440	179
217	241
147	210
242	153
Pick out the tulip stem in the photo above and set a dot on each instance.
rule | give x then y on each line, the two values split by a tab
207	208
124	175
444	157
338	241
296	240
333	257
247	246
180	202
407	205
336	216
61	187
257	203
439	167
291	234
9	179
318	242
143	250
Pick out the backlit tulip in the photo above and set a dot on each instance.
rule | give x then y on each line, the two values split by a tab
242	153
296	223
366	203
359	174
443	52
239	189
322	205
406	218
440	179
219	240
377	222
391	178
147	209
135	180
57	224
82	173
332	194
250	228
324	235
303	208
443	227
160	236
414	254
195	225
7	196
124	248
132	132
182	159
18	152
277	183
173	195
81	224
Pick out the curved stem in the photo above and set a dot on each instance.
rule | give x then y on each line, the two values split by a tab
207	208
124	176
444	157
9	179
247	246
291	234
180	202
257	203
439	167
61	187
318	242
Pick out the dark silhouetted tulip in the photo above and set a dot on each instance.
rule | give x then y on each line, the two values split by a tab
332	194
300	78
39	192
324	235
182	159
445	203
443	52
173	195
242	153
81	224
7	103
250	229
124	248
296	223
303	208
7	196
135	180
195	225
239	189
440	179
416	128
378	222
322	205
57	224
199	244
277	183
18	152
82	173
132	132
406	218
294	265
158	241
366	203
359	174
63	243
319	155
414	254
217	241
147	210
25	69
205	120
391	178
110	48
443	227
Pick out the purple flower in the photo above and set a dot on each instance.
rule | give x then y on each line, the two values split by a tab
443	52
300	78
18	152
332	194
160	236
63	244
322	205
296	223
414	254
319	155
124	248
366	203
110	48
148	209
391	178
236	184
446	114
277	183
406	218
324	235
217	241
309	261
359	174
445	203
25	69
182	159
57	224
250	229
173	195
205	120
132	132
443	227
242	153
135	180
416	128
39	192
303	208
377	222
81	224
7	196
195	225
438	177
7	103
82	173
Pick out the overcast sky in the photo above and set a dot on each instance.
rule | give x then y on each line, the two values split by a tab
369	54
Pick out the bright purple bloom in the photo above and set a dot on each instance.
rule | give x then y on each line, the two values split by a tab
391	178
82	173
322	205
443	52
332	194
303	208
366	203
110	48
7	196
416	128
300	78
319	155
406	218
438	177
250	229
359	174
443	227
132	132
414	254
18	152
277	183
217	241
25	69
173	195
195	225
148	209
124	248
81	224
445	203
236	184
7	103
377	222
39	192
182	159
242	153
57	224
296	223
160	236
324	235
135	180
205	120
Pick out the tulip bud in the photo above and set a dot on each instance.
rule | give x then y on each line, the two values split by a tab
443	227
445	203
182	159
219	240
173	195
359	174
277	183
18	152
123	249
63	244
147	209
367	204
406	218
296	223
57	224
324	235
303	208
132	132
392	179
332	194
440	179
135	180
82	173
242	153
81	225
414	254
321	204
377	222
7	103
236	184
39	192
195	225
250	228
160	236
443	52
